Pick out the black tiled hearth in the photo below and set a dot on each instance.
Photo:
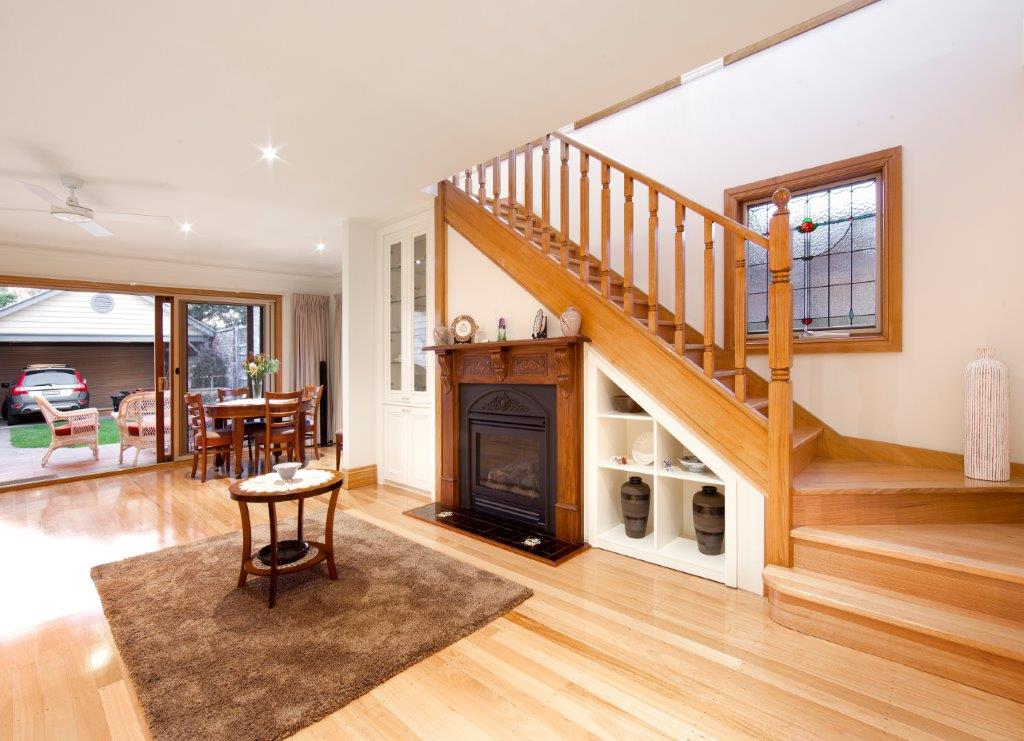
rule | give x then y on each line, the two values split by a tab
511	535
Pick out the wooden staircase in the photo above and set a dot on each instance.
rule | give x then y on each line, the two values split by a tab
914	563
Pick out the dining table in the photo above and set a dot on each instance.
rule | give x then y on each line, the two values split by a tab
238	411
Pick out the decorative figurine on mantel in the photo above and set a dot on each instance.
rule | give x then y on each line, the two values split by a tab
501	329
540	325
463	329
571	320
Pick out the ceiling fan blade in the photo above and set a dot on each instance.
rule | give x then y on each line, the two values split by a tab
42	193
26	210
135	218
94	229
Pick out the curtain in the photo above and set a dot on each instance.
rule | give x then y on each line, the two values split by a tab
311	338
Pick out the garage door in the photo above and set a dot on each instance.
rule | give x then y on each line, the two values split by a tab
106	367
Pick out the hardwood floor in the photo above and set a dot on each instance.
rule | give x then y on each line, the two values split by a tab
608	646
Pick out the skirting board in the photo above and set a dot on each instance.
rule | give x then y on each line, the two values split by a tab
360	476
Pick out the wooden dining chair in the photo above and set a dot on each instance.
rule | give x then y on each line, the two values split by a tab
280	430
311	395
250	428
205	439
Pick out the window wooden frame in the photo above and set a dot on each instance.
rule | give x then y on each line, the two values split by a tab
887	165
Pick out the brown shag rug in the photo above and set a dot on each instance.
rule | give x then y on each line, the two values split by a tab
211	661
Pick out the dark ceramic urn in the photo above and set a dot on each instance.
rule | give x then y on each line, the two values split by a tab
636	506
709	520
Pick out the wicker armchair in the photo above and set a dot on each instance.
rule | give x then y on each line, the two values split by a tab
136	422
80	427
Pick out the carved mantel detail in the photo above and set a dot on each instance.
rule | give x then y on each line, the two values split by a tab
498	363
444	362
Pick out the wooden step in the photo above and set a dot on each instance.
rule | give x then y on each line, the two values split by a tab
976	567
832	491
760	403
964	645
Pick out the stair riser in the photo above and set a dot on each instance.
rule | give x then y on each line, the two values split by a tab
969	591
986	671
904	508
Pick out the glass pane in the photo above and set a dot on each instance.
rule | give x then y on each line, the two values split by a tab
395	327
835	265
419	312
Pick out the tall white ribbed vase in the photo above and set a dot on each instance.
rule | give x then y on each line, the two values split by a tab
986	418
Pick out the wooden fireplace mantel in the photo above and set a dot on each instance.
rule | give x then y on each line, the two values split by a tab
556	361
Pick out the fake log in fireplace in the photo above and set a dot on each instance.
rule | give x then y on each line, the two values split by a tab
508	454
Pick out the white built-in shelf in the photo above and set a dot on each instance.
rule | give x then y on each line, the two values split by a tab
684	550
670	539
684	475
627	467
625	415
617	537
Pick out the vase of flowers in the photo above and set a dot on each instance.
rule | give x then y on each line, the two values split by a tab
258	367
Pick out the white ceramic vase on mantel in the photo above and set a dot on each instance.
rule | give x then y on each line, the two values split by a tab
987	418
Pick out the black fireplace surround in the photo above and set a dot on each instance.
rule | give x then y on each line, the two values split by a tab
507	452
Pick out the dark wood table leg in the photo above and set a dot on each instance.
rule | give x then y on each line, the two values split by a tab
273	554
332	569
298	535
237	433
300	431
243	508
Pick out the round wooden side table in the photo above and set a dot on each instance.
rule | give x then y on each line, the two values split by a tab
270	490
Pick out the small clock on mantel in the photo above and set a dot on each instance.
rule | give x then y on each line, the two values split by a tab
463	328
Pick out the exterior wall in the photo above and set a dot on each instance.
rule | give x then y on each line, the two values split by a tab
106	368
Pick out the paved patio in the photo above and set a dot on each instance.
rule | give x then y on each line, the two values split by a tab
17	464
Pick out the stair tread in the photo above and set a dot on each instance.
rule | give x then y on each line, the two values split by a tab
803	434
992	550
984	632
836	474
758	402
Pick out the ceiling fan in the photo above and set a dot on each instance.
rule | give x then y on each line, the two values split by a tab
73	212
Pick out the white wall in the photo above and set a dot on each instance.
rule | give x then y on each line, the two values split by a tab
478	287
943	79
55	263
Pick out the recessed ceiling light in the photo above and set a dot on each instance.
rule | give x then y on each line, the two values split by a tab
269	153
185	227
320	247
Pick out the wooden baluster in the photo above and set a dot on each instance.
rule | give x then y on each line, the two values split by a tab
680	337
467	185
606	229
585	218
496	179
627	246
481	185
709	299
564	205
652	261
528	186
780	391
545	194
739	326
512	189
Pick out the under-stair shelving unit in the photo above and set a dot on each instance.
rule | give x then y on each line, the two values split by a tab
670	539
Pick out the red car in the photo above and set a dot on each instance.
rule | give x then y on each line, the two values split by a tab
61	385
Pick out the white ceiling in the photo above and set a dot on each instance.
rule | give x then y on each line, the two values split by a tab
160	107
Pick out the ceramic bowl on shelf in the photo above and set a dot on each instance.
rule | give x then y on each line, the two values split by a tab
623	404
287	470
693	464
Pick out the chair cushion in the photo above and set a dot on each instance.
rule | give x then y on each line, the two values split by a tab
64	431
279	433
148	426
214	437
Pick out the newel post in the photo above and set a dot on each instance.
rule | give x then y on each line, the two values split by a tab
778	520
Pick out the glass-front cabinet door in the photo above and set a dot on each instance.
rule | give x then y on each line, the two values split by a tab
408	287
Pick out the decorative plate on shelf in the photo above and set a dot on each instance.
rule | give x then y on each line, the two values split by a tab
643	449
463	328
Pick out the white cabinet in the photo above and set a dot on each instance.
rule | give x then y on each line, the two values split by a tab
407	429
409	446
408	293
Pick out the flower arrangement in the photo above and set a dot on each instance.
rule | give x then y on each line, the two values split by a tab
258	366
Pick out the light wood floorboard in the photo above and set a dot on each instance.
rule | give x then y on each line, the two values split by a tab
607	647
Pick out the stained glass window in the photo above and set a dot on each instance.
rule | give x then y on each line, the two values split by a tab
835	259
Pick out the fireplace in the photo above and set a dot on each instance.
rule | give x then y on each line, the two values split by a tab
508	452
510	444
